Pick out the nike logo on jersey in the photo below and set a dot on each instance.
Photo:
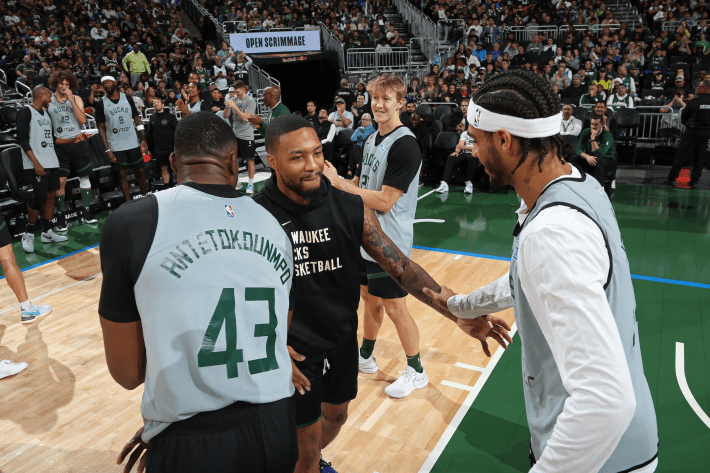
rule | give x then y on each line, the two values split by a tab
284	224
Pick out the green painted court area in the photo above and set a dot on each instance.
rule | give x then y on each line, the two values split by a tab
667	236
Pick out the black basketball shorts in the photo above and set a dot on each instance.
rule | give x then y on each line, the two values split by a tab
333	380
254	438
379	283
129	159
245	149
74	157
163	158
5	237
41	185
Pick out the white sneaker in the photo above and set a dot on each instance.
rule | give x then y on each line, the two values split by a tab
28	242
613	184
250	189
408	382
469	188
51	237
8	368
443	188
368	365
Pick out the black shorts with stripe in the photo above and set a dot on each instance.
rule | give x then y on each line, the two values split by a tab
129	159
74	157
379	283
242	437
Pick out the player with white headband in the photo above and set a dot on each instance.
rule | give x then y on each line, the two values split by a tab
120	126
588	403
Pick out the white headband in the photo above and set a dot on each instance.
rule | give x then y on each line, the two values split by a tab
108	78
486	120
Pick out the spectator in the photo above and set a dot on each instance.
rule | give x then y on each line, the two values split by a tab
594	96
326	132
312	115
570	125
25	70
460	157
359	109
358	137
135	62
560	79
621	99
341	117
595	150
574	93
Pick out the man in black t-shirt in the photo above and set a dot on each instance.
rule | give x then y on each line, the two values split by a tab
327	227
346	94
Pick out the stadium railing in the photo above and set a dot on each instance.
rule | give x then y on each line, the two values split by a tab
366	59
419	25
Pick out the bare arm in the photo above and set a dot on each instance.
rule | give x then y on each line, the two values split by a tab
77	106
403	270
344	120
138	122
102	135
382	200
125	352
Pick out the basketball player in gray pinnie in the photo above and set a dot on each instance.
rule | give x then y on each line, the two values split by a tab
120	125
40	164
206	338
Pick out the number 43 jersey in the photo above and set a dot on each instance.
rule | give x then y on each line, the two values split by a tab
213	299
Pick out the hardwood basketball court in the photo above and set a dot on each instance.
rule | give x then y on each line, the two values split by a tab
65	413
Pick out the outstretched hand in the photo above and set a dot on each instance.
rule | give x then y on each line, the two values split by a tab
480	328
484	327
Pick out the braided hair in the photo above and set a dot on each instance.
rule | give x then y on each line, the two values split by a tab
525	95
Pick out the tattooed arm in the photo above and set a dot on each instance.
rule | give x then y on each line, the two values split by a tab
403	270
418	283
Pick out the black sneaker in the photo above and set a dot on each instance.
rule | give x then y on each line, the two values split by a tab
61	225
87	217
324	467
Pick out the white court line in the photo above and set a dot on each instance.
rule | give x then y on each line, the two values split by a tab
53	292
463	387
372	420
430	192
683	383
470	367
429	220
456	421
458	256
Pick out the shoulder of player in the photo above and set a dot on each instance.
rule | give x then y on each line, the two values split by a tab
346	197
131	214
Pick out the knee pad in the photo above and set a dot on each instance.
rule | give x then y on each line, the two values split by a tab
84	182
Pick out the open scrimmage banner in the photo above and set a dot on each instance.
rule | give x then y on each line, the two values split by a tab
276	42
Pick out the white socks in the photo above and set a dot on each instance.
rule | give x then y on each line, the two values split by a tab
27	305
251	181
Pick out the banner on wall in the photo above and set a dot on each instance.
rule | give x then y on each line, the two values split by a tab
277	42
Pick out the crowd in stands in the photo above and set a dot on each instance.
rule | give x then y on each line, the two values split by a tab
143	45
587	57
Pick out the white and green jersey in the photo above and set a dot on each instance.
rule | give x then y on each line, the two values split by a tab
398	223
41	141
616	103
64	121
213	297
120	129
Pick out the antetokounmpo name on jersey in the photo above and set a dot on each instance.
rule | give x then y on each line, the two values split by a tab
209	241
301	253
